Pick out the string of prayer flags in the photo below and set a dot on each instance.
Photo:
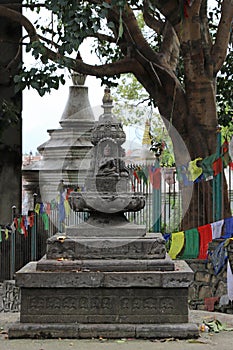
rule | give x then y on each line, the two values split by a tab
205	236
177	244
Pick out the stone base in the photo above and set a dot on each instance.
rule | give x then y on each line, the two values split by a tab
148	247
85	331
124	230
109	287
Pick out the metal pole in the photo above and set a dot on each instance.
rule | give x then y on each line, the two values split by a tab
218	180
34	229
12	271
156	205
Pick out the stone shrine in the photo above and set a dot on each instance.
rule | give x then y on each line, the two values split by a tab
106	277
65	154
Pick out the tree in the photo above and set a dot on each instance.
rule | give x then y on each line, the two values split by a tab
180	35
10	118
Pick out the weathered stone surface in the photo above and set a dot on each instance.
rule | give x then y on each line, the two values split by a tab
124	230
106	265
105	248
49	330
185	330
202	277
104	305
30	277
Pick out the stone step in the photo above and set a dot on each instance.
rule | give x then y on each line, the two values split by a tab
106	265
74	330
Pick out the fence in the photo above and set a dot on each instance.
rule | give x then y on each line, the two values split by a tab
162	213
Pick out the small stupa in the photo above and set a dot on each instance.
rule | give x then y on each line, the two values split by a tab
105	277
65	154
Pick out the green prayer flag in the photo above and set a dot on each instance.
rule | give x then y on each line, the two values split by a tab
206	165
45	219
191	246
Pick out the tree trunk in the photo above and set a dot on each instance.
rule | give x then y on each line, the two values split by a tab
11	136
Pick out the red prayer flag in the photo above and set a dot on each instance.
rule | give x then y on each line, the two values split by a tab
31	220
205	236
155	177
217	166
135	174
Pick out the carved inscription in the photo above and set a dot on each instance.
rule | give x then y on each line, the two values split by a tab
68	304
160	305
114	303
102	305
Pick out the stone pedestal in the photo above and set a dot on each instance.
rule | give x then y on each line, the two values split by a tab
104	286
106	277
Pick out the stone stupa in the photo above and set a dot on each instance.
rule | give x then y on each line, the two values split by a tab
105	277
64	155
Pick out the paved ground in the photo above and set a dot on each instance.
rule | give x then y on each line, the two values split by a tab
222	340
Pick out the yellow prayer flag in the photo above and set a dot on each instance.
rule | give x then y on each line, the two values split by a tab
37	208
6	234
67	207
177	244
194	170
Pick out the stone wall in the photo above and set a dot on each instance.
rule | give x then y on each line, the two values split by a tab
209	290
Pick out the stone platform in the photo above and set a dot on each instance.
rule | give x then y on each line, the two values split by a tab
130	295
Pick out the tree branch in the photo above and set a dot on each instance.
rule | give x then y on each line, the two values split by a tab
103	37
170	44
150	21
125	65
219	49
133	35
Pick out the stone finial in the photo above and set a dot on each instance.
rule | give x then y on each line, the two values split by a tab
107	99
78	79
